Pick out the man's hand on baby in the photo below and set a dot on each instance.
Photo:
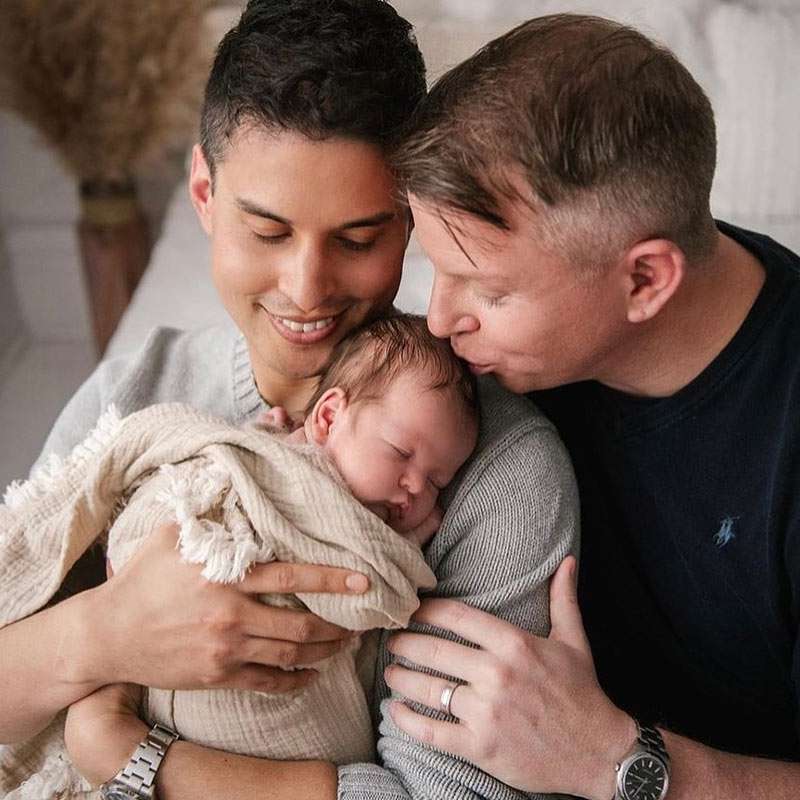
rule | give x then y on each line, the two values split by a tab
158	622
424	532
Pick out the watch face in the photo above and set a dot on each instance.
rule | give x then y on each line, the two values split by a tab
645	778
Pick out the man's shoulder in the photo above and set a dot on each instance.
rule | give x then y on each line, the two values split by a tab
771	253
194	366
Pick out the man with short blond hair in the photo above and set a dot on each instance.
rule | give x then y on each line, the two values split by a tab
560	183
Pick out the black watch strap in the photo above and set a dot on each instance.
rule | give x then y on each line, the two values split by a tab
650	739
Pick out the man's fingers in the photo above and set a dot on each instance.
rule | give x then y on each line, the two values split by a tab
447	736
427	689
285	655
565	614
268	622
279	577
469	623
441	655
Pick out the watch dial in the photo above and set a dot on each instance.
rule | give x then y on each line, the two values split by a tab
645	779
118	794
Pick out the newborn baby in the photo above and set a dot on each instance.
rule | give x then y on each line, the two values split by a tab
396	414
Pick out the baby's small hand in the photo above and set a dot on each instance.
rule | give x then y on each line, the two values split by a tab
424	532
277	418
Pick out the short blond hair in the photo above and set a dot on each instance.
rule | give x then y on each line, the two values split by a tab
612	138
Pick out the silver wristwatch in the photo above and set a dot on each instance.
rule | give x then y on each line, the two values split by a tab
644	772
136	780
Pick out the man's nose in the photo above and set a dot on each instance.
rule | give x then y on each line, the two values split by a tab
306	281
445	319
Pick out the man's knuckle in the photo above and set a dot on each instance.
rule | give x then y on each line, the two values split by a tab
214	675
437	649
519	649
486	748
426	733
285	580
434	695
221	621
493	715
305	629
288	655
502	676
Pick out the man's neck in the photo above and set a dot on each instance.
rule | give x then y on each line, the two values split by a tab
693	328
289	392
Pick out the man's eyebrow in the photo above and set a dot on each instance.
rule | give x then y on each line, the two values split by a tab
249	207
369	222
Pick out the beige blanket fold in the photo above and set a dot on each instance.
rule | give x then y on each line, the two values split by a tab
239	496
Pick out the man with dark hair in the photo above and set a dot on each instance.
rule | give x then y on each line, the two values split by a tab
288	67
560	182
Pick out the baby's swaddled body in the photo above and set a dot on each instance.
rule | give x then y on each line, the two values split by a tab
329	719
239	497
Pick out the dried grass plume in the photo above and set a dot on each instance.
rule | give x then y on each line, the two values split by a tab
111	84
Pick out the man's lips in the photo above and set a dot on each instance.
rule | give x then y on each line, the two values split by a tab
298	330
479	369
476	367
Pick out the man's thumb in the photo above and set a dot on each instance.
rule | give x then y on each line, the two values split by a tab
565	615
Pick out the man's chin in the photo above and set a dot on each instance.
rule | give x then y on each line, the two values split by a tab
519	384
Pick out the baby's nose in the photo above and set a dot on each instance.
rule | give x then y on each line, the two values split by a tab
413	482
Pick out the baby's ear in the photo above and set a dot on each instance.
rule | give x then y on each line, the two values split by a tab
325	412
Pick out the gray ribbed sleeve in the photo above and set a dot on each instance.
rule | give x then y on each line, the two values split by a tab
511	519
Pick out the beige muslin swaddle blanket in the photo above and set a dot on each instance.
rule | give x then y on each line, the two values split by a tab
239	496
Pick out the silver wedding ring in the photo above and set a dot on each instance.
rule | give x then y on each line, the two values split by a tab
447	697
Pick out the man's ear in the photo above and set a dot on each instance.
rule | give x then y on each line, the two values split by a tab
409	224
200	188
325	412
654	270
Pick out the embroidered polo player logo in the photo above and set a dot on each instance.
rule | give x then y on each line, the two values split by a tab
725	534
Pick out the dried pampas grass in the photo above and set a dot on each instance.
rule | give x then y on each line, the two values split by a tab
111	84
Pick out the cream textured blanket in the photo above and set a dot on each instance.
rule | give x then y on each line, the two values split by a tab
239	496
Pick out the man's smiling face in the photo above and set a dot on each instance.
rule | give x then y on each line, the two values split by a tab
307	243
512	309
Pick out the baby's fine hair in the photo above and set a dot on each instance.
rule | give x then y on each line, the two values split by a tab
366	362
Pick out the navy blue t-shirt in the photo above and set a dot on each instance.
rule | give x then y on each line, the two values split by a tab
690	573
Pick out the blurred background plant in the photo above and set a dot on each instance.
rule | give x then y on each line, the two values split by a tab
114	87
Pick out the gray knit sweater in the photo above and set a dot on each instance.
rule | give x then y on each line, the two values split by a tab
511	516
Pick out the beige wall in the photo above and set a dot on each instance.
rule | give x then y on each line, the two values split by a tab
11	328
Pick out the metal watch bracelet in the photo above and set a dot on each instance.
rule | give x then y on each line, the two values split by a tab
651	740
139	774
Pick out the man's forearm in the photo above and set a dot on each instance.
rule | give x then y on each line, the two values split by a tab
700	773
190	771
44	663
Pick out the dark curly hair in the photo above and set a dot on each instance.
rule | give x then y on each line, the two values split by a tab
323	68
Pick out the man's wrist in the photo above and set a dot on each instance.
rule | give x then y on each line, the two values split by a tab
101	747
616	740
93	662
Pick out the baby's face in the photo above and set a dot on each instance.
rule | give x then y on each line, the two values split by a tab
396	454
